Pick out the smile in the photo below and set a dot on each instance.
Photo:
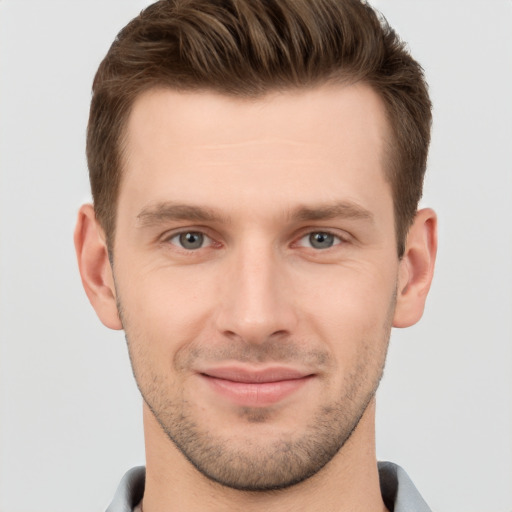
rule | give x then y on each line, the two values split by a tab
255	388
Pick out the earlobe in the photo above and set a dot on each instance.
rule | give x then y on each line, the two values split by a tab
94	266
416	269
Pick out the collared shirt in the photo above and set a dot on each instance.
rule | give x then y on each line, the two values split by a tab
398	491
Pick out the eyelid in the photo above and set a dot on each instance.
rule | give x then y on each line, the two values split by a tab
342	237
173	233
207	241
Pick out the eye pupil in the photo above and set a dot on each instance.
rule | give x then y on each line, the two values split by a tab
321	240
191	240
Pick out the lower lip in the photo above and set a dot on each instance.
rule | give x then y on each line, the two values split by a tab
258	394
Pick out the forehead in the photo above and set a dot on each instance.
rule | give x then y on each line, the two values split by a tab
292	147
352	112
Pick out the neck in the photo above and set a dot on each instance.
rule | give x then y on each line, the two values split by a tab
349	482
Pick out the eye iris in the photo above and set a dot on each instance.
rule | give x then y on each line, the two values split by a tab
191	240
321	240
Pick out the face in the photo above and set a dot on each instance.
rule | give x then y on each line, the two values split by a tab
255	273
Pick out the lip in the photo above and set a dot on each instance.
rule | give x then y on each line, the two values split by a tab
255	387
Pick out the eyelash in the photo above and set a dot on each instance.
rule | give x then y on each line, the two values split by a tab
169	239
337	239
298	241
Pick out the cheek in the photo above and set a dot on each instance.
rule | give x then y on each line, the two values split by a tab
169	307
357	286
162	313
168	297
349	307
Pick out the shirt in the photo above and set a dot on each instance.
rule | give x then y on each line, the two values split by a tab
398	491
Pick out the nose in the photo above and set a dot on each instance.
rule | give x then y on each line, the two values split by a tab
256	299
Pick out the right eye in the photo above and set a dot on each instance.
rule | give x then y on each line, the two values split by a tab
191	240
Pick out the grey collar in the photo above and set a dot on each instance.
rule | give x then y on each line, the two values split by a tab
398	491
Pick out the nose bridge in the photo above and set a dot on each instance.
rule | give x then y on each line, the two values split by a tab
255	301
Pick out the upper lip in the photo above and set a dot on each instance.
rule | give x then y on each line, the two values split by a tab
255	375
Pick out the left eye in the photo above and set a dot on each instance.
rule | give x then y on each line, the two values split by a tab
319	240
190	240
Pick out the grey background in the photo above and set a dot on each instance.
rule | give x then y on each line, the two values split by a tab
70	414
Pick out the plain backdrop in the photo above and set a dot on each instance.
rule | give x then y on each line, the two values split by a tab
70	414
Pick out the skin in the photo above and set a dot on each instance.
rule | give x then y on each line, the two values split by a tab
293	265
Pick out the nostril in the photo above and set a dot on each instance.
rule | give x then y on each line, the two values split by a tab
230	334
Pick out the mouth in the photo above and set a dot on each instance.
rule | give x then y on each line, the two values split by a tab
255	387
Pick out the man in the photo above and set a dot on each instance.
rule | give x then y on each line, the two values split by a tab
256	168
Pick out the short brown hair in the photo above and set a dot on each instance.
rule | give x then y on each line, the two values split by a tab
249	48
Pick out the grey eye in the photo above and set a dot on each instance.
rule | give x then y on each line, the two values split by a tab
320	240
191	240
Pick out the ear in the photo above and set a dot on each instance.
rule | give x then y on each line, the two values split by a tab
94	266
416	269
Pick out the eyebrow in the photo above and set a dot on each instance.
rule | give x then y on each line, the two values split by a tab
169	211
342	209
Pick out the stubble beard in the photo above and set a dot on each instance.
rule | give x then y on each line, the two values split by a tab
258	465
